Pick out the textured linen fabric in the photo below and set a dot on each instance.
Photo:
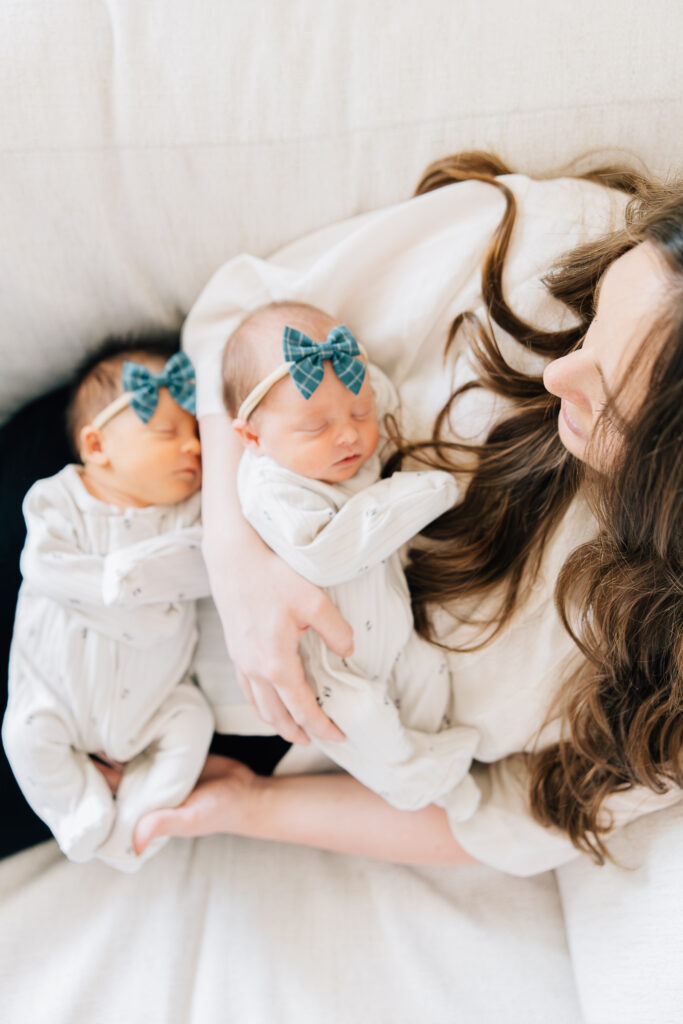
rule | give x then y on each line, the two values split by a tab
143	144
225	929
623	924
102	646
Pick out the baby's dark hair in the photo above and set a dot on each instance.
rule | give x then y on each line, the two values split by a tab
97	380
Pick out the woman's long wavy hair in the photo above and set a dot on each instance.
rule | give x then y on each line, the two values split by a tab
620	596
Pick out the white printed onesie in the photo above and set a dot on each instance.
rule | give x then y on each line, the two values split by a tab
393	697
103	638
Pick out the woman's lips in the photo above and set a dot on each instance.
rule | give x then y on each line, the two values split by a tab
575	429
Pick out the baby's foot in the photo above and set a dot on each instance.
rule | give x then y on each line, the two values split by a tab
83	831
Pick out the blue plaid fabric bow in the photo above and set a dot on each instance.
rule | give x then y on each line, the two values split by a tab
307	357
143	385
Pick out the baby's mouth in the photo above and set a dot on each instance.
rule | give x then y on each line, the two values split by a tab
347	460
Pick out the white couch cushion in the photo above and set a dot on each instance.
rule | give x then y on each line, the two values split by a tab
142	144
624	924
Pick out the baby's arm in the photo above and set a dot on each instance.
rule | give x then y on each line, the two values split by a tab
53	560
330	546
169	567
163	568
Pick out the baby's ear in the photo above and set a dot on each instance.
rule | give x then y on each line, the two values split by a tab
90	446
246	433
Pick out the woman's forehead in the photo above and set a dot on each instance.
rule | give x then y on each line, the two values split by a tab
633	293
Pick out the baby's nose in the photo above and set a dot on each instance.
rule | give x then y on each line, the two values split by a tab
348	433
193	446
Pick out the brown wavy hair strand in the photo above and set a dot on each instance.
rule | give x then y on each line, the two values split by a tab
620	596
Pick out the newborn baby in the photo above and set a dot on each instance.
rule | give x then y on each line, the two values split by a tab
105	623
305	404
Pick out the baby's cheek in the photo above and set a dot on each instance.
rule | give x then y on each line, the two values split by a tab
373	440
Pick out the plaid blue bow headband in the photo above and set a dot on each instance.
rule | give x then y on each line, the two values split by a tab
304	363
141	389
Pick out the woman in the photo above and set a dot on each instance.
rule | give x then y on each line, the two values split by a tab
575	493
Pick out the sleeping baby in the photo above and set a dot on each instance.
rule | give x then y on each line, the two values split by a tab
307	405
105	623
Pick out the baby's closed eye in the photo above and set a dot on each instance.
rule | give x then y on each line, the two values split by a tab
164	430
316	427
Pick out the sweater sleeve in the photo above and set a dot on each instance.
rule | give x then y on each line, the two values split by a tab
504	834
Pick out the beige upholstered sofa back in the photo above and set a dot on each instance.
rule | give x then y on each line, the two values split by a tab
141	144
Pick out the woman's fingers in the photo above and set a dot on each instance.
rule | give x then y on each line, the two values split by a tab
303	709
272	710
245	686
262	632
264	699
284	700
326	619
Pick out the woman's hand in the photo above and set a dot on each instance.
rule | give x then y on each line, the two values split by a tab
264	605
264	623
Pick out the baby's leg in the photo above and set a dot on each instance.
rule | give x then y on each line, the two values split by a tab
400	738
175	740
61	783
421	686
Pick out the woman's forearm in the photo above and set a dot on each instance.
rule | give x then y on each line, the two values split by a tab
336	812
221	453
263	604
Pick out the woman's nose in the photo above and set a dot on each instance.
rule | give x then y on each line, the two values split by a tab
566	378
192	446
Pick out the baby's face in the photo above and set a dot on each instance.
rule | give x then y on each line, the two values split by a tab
325	437
154	463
